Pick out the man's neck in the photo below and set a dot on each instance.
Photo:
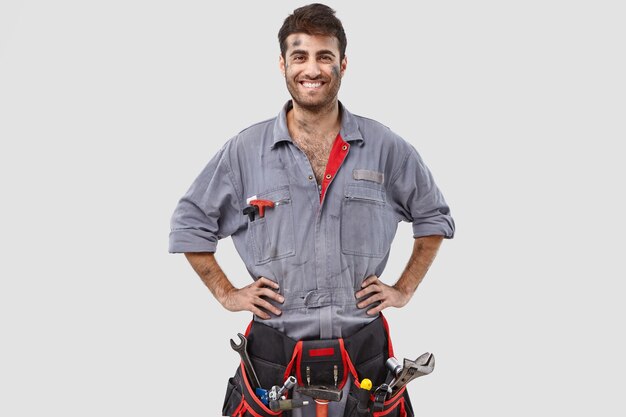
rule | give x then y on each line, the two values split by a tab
319	123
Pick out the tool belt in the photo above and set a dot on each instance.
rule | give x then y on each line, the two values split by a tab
320	362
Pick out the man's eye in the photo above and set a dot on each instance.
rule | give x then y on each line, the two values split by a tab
326	58
298	58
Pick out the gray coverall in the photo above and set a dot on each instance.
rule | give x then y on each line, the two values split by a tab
319	252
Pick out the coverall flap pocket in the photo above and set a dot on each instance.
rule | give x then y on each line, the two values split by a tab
364	222
367	194
272	236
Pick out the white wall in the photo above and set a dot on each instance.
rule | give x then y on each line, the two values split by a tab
108	110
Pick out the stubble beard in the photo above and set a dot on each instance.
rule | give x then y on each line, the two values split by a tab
319	106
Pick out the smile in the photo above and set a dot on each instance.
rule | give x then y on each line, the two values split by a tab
306	84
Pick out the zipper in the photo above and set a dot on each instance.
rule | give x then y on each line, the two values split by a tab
369	200
282	202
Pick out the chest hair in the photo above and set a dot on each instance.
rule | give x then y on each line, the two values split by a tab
317	150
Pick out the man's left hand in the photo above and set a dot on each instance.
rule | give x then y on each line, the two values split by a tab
376	290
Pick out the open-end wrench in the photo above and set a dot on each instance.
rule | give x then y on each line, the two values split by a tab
242	349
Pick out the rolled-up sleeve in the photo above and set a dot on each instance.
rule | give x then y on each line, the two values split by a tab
209	211
416	198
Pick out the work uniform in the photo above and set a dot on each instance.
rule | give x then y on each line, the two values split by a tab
318	242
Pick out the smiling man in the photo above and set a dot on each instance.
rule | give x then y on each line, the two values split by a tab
312	199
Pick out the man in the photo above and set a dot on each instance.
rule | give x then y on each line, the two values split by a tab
311	199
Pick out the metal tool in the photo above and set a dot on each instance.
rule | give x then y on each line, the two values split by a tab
282	202
276	391
380	396
242	349
393	366
287	385
318	392
263	395
278	402
322	396
276	405
421	366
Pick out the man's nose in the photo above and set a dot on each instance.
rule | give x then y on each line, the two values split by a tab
312	69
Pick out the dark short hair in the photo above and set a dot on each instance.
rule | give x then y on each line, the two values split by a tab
314	19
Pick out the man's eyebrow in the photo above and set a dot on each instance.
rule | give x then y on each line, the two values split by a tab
325	52
318	53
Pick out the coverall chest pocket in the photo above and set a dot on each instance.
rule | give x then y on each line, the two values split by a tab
363	221
272	236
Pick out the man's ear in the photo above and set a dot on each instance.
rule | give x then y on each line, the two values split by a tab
344	64
281	63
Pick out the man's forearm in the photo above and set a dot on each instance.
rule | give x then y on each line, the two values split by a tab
205	265
254	297
424	252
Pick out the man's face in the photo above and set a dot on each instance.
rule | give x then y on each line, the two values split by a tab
312	70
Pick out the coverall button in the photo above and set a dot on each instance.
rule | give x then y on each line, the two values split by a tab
310	177
328	176
344	147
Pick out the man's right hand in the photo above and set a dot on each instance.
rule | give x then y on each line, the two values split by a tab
250	298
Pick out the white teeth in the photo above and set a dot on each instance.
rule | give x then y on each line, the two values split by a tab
312	85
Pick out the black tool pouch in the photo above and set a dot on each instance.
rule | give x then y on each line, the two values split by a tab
241	401
270	351
322	363
398	406
275	356
368	350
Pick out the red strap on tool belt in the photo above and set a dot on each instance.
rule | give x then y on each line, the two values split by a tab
250	402
396	403
306	351
321	362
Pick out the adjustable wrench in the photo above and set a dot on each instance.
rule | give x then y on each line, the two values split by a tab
421	366
242	349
